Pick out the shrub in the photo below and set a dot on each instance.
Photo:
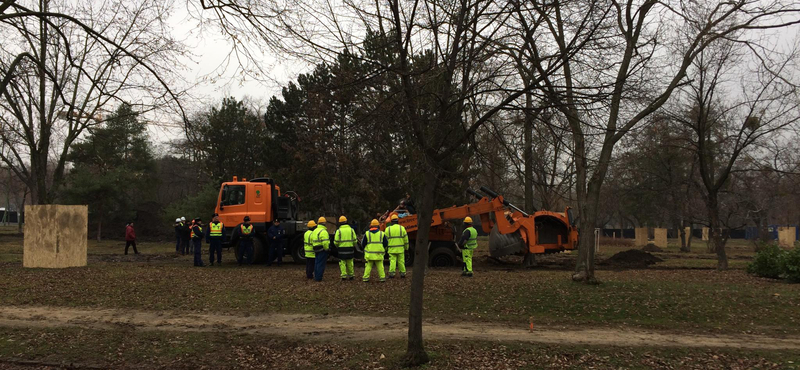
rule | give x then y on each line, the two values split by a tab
790	265
769	262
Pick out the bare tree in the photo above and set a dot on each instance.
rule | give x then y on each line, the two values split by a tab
733	112
640	55
59	72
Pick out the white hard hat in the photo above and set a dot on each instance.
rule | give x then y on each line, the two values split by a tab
183	218
177	220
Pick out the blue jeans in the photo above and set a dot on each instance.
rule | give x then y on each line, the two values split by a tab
198	258
215	245
185	245
177	243
319	264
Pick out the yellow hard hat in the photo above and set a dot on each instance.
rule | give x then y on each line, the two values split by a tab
311	223
342	219
322	220
394	217
374	223
467	220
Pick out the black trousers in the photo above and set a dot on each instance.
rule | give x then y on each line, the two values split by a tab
129	243
310	268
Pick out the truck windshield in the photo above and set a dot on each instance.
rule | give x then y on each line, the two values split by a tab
233	195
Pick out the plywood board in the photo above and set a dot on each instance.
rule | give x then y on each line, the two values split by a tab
705	234
55	236
787	236
660	239
641	236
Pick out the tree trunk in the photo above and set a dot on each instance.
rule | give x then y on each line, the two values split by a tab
528	153
99	230
716	237
415	354
584	268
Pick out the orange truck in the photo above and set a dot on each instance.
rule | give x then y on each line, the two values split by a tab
262	200
511	230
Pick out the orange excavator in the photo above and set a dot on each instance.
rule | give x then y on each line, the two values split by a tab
511	230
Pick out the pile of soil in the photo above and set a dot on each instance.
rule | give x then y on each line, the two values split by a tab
633	258
650	247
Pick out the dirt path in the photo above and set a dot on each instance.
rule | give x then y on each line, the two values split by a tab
359	328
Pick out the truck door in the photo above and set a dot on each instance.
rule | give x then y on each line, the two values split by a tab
232	204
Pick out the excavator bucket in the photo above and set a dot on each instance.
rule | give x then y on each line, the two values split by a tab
505	244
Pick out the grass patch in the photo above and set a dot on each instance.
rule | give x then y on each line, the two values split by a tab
148	349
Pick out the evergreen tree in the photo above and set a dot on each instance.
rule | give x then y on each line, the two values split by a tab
113	169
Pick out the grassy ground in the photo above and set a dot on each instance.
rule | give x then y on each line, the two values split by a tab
684	293
667	299
138	349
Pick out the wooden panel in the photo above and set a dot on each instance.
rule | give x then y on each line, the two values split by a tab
55	236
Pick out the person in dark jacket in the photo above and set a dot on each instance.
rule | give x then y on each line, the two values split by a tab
130	238
178	234
197	239
277	238
186	233
244	232
215	234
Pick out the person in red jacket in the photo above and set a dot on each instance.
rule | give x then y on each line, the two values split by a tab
130	238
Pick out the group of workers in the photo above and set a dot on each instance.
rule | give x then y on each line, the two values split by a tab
189	238
375	244
317	244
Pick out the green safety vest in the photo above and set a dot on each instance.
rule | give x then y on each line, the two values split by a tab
345	240
397	237
320	239
308	246
373	251
247	231
216	229
472	241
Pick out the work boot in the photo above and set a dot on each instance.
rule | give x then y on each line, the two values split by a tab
402	275
344	278
463	273
366	280
469	274
391	276
383	280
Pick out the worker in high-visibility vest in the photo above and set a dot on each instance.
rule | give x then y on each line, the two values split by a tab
468	243
321	241
308	249
245	235
345	241
374	243
197	241
398	245
214	238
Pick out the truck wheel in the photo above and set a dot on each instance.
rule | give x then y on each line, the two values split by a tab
442	256
410	254
259	251
297	250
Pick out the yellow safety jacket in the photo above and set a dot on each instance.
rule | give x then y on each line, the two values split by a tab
397	237
373	246
472	241
320	239
215	229
345	241
308	245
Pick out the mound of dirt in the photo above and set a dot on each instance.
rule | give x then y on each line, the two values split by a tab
650	247
633	258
